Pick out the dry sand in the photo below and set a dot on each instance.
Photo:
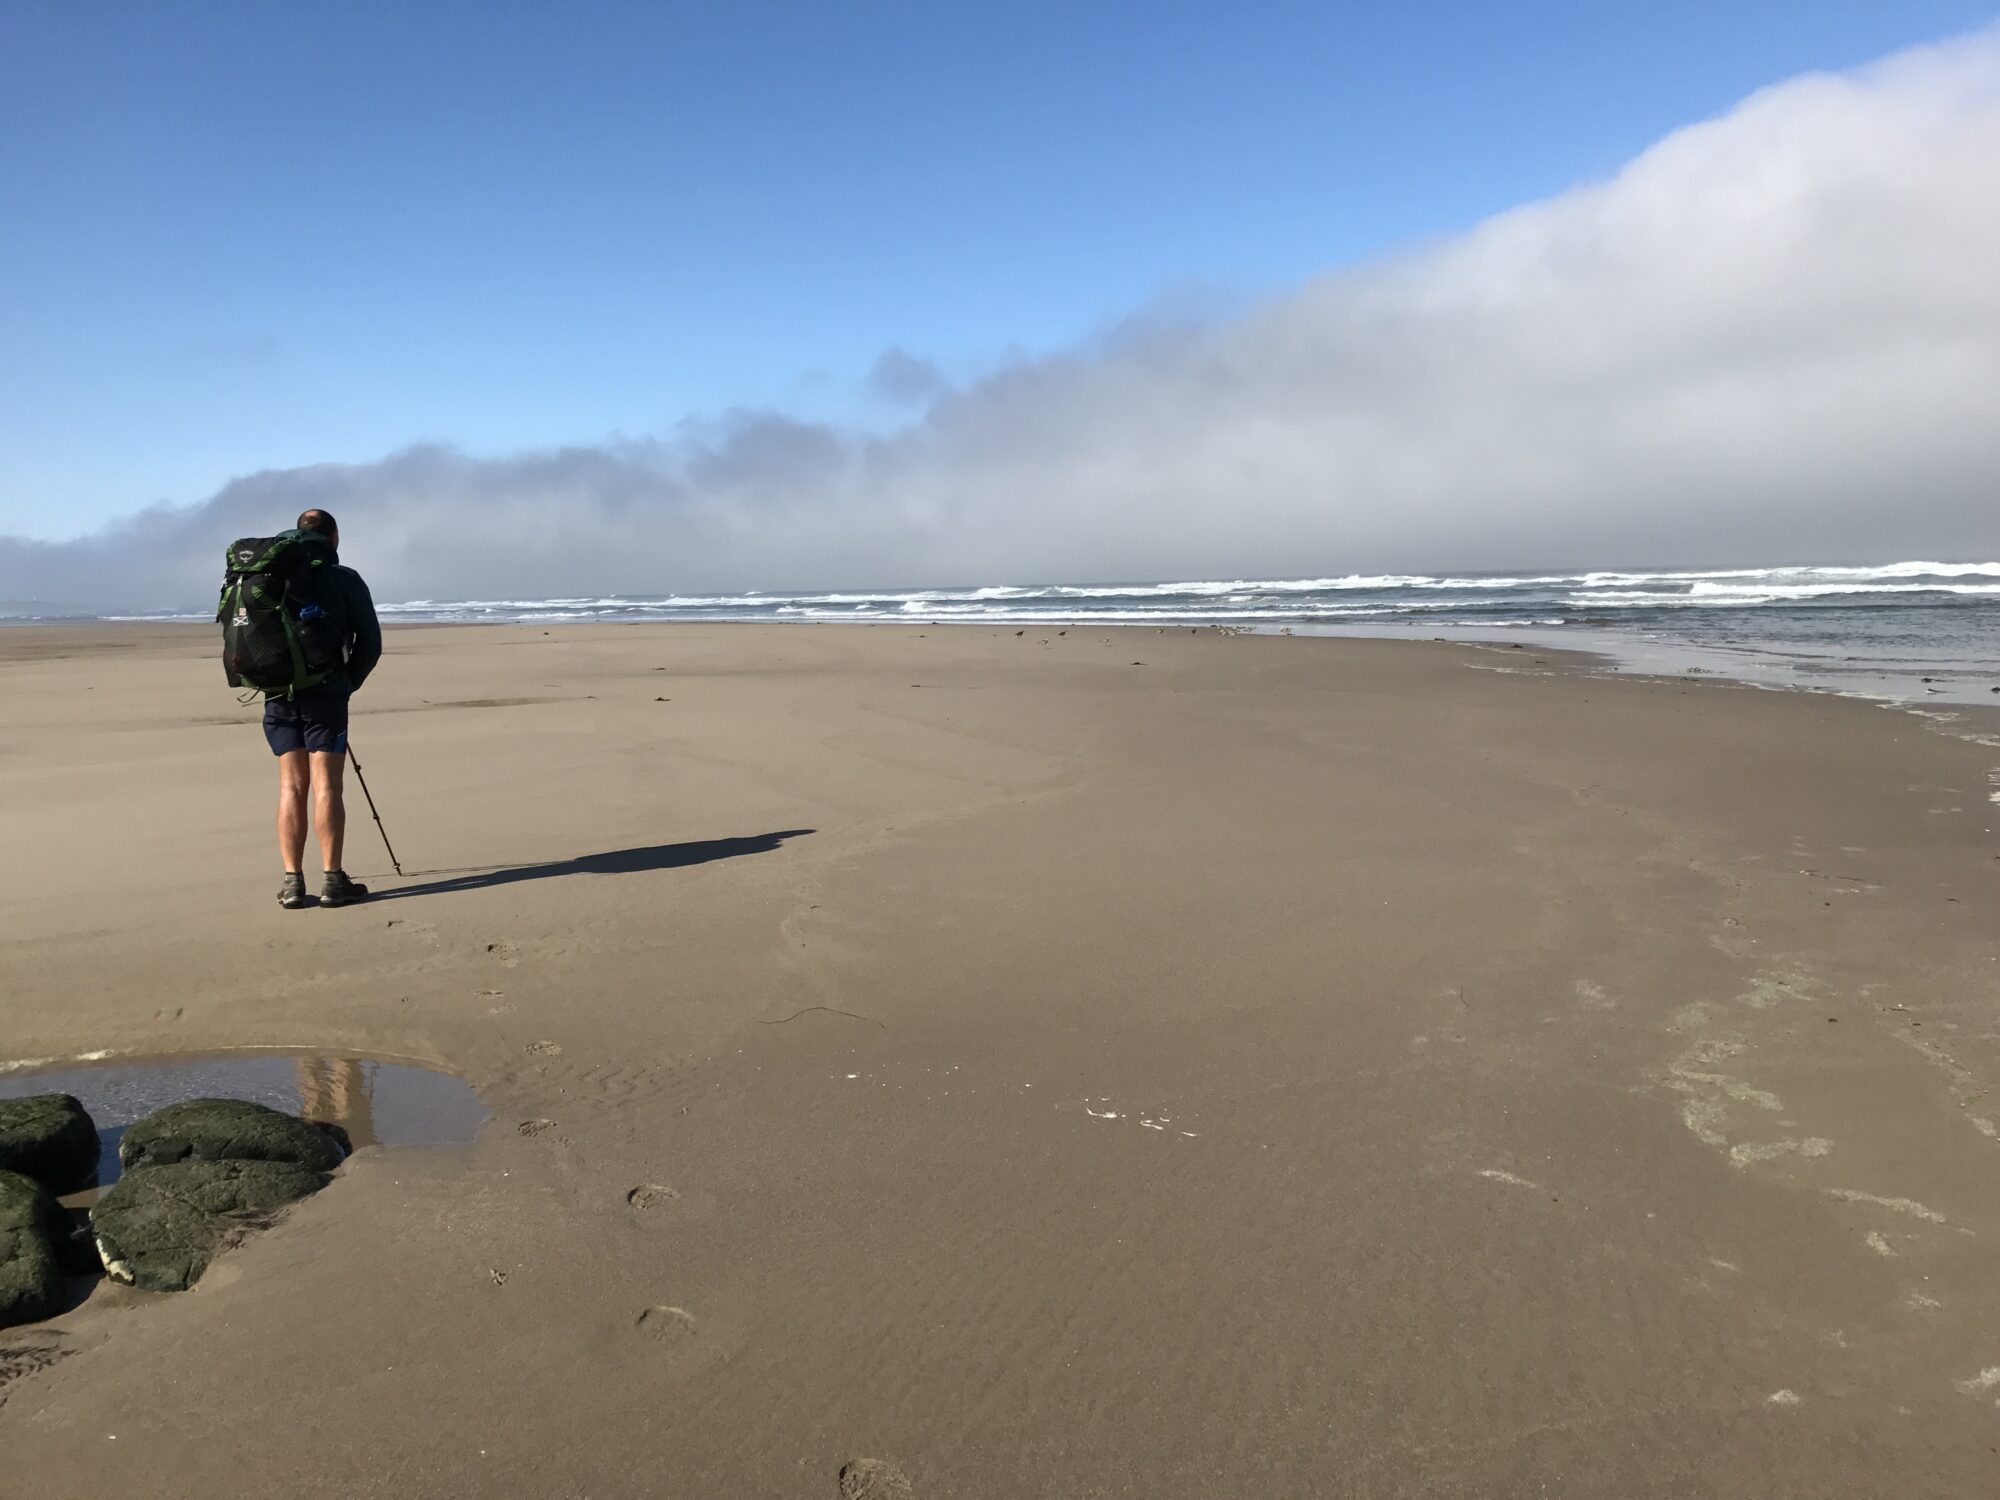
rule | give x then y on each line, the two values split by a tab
1052	1065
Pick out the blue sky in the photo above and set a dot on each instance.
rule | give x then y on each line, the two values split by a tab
235	237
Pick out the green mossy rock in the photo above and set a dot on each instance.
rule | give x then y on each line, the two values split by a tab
225	1130
50	1138
159	1227
33	1228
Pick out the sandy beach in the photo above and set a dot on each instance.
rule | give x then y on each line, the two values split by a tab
1086	1063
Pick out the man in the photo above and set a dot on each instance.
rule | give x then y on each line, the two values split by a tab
308	731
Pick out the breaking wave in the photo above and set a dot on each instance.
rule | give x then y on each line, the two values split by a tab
1490	598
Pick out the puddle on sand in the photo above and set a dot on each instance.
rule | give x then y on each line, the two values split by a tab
376	1103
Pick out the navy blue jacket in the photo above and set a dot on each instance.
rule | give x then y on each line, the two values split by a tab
346	598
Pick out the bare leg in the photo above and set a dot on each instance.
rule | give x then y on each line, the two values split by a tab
293	782
329	809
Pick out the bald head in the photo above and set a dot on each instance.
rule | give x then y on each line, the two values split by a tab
321	523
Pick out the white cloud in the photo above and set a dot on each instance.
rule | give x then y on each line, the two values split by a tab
1773	336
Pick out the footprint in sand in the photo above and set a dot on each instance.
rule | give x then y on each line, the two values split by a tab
533	1128
36	1352
674	1326
543	1049
651	1195
874	1479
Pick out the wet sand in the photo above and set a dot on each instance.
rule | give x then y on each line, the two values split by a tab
1111	1063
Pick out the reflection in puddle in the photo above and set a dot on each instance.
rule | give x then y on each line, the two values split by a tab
375	1103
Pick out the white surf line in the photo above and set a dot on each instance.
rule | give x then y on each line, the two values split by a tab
1985	1380
1908	1206
1494	1174
1783	1398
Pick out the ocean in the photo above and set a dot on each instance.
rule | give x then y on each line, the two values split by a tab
1905	631
1910	632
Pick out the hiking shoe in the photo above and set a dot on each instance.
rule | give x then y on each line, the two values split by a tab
292	894
338	890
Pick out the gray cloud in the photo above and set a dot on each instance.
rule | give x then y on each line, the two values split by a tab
905	378
1774	336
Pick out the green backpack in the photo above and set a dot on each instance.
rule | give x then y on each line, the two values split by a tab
277	635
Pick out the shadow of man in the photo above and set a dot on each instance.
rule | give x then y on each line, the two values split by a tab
639	861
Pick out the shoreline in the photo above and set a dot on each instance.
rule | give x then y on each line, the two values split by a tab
1631	654
1627	652
1604	652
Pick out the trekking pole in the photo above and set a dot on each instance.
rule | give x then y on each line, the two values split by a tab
371	807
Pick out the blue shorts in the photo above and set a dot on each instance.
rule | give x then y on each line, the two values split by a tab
313	720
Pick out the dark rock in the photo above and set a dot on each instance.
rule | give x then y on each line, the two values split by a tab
337	1134
32	1229
50	1138
225	1130
873	1479
159	1227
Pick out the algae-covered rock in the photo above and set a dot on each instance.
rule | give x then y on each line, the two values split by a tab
159	1227
50	1138
32	1229
225	1130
